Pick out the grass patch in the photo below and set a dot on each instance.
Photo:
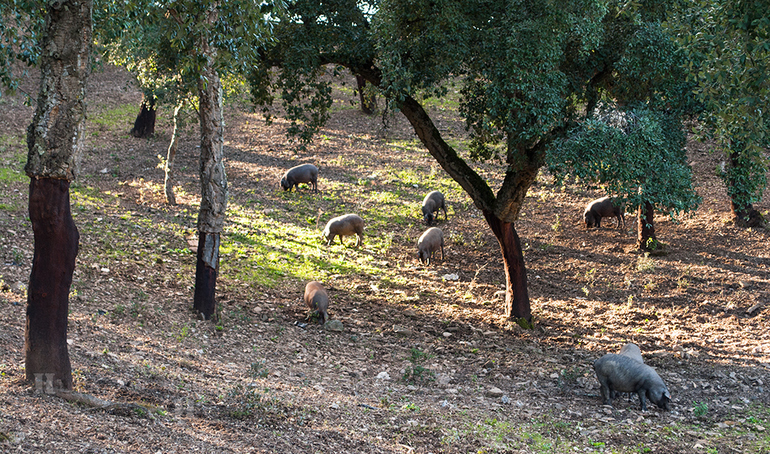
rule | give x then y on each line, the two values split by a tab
115	118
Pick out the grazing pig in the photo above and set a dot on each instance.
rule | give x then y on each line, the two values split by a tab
430	241
345	225
317	300
433	202
602	208
304	173
619	373
632	351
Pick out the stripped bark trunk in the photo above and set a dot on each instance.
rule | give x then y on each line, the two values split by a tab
55	143
211	217
517	306
645	238
500	211
168	181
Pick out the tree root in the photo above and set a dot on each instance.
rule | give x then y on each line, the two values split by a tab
96	404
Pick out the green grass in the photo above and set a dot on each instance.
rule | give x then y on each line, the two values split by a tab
115	118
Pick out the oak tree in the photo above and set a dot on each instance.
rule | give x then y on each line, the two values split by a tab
529	73
55	142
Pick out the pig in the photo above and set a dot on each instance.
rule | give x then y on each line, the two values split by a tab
304	173
317	300
430	241
602	208
345	225
433	202
620	373
632	351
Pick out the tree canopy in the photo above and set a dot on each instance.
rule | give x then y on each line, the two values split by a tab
532	74
728	48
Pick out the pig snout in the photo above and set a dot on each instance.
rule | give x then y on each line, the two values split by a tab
604	207
304	173
345	225
432	240
432	203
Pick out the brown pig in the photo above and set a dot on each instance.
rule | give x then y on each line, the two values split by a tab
345	225
432	240
432	203
602	208
304	173
317	300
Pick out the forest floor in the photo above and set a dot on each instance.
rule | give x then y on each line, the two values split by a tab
426	361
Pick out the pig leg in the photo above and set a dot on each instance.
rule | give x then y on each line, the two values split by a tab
606	392
442	249
642	399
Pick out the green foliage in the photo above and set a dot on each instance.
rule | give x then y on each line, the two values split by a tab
164	46
636	154
21	24
700	409
417	372
728	49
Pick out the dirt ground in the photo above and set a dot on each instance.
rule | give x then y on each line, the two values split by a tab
429	365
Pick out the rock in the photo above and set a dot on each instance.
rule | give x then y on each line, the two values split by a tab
505	399
383	376
443	379
447	334
494	392
333	325
403	330
450	277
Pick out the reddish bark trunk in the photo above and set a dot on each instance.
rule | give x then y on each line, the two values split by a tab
56	247
204	301
645	239
516	296
144	125
747	216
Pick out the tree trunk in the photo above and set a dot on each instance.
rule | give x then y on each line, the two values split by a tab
55	143
211	217
368	102
646	240
744	214
144	125
500	211
516	296
56	247
168	182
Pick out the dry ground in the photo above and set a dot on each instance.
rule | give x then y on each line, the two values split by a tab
457	378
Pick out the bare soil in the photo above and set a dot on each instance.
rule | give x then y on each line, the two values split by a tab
428	366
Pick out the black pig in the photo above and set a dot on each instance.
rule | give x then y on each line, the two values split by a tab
602	208
619	373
